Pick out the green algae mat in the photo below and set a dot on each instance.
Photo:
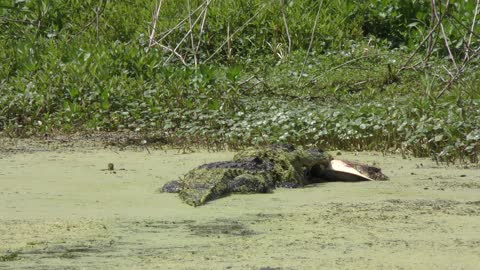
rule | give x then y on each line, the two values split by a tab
61	208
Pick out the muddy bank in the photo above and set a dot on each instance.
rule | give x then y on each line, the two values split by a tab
61	209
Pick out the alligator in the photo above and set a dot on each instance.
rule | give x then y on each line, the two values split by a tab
261	170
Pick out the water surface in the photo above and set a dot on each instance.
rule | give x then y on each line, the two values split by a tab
60	209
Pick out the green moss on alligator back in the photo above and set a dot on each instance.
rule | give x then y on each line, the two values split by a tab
251	171
202	185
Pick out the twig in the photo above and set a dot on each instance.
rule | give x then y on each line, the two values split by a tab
455	77
158	6
202	27
465	27
180	23
181	41
286	26
448	71
312	36
97	15
247	80
234	33
430	33
27	22
430	37
445	38
341	65
97	20
229	43
174	52
191	35
466	59
474	21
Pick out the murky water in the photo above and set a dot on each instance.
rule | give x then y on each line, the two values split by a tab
60	209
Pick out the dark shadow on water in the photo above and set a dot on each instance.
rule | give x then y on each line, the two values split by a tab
226	227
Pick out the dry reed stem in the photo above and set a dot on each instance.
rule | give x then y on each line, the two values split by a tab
229	43
458	73
312	36
179	24
430	33
472	28
158	6
445	38
234	33
467	57
195	61
202	25
95	19
430	41
342	65
286	26
180	57
174	52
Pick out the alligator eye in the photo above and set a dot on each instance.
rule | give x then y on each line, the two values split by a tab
257	160
307	172
317	170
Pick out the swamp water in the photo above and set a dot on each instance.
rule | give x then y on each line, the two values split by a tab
61	209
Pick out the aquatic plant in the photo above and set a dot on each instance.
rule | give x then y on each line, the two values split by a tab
358	75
